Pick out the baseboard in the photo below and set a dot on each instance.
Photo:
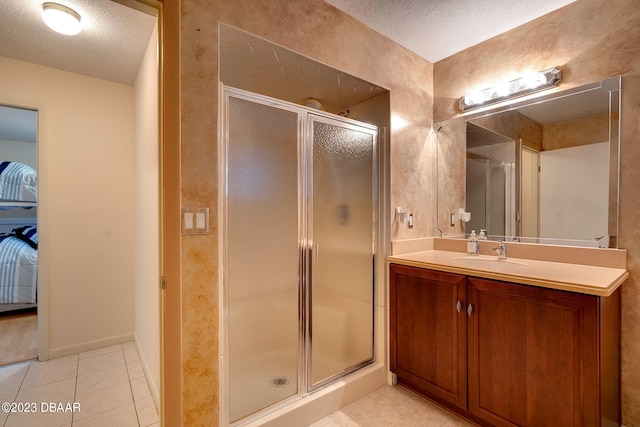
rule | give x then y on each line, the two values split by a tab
153	387
55	353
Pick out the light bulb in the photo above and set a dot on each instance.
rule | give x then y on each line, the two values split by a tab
533	80
475	97
502	89
61	19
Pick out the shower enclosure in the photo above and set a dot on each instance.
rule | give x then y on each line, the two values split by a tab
299	209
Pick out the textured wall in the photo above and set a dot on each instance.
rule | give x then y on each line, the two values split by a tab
589	130
318	30
589	40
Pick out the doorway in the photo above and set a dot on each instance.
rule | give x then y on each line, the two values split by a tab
98	168
300	211
18	235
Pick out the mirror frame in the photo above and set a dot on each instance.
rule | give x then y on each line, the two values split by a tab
444	213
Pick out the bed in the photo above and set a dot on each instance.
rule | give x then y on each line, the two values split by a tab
19	265
18	235
18	182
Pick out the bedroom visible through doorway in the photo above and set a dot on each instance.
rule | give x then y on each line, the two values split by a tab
18	235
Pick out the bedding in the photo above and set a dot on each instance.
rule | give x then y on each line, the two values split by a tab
28	234
19	266
18	182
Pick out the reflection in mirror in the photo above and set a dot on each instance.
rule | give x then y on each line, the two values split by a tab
539	171
490	181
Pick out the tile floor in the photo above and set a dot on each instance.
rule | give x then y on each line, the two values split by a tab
110	387
391	406
108	384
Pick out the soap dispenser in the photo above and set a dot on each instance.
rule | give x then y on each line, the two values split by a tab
482	235
473	246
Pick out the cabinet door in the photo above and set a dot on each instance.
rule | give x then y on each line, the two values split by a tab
428	334
532	355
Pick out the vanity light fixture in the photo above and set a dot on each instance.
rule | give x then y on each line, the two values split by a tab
524	85
61	19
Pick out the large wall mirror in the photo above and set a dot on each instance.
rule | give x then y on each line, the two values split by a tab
542	170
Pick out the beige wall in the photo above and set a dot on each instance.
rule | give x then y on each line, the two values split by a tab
147	217
606	46
589	40
85	160
572	133
318	30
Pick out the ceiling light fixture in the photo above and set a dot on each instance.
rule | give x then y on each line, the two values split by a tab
524	85
61	19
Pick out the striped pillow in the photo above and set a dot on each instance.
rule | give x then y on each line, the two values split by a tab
28	234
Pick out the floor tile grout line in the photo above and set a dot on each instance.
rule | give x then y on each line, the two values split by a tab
133	398
75	389
31	367
121	406
101	370
103	412
130	390
19	390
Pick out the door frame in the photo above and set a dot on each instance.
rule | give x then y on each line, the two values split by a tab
312	117
170	234
42	170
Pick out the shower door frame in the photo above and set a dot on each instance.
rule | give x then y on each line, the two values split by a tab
312	117
304	383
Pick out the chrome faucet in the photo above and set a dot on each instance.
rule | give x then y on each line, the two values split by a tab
501	250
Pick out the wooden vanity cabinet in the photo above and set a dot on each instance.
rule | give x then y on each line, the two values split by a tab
533	356
428	334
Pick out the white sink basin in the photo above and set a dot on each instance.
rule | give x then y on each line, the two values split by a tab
489	263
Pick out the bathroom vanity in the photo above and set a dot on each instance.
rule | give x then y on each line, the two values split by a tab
522	342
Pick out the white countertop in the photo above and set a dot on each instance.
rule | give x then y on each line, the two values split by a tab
585	279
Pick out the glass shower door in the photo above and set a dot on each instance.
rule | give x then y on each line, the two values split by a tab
486	192
298	242
262	255
341	291
476	194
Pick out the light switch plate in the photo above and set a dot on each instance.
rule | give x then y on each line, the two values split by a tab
195	221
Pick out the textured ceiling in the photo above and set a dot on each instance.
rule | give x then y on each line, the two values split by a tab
110	46
436	29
